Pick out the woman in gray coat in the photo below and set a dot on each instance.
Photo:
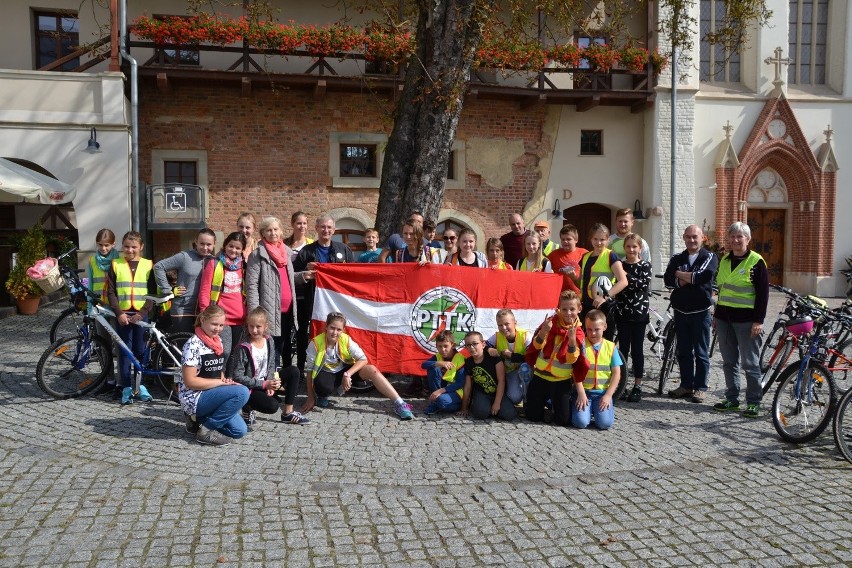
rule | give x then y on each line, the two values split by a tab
271	285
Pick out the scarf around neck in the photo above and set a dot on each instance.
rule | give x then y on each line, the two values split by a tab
229	264
277	252
104	262
558	329
214	343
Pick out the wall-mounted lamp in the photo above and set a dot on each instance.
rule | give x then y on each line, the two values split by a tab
557	209
93	147
811	205
638	215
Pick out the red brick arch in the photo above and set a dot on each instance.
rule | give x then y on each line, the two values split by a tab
792	158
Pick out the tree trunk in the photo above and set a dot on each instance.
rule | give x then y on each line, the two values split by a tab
418	151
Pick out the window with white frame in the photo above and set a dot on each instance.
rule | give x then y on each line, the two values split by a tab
182	167
808	36
716	64
355	159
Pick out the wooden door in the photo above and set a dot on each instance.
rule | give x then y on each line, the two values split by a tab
584	217
767	239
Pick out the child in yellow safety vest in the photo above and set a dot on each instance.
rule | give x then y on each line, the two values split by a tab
222	283
510	344
130	279
96	275
445	375
596	386
556	345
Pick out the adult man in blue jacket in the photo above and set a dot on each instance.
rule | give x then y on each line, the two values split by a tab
690	276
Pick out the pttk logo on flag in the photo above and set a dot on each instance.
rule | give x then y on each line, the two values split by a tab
395	311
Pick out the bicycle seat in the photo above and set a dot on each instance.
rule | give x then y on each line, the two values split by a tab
159	299
800	326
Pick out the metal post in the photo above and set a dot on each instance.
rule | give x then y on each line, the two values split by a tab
673	213
136	221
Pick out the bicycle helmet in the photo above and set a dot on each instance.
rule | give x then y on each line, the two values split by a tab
601	287
800	326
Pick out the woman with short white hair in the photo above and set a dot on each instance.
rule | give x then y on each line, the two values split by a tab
743	282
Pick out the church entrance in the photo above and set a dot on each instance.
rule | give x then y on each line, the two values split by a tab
767	239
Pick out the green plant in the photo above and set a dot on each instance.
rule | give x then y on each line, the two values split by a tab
31	248
57	245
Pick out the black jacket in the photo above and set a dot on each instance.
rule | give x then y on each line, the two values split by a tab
694	297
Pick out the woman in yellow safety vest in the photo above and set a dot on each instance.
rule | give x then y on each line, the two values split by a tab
743	281
222	283
601	261
495	254
130	279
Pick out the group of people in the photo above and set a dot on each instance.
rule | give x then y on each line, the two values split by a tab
243	303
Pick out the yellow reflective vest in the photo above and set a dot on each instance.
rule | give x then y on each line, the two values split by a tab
131	288
601	267
450	376
218	279
736	290
502	343
97	285
342	347
552	369
600	366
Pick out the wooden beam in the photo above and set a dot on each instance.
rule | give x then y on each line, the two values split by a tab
163	82
640	106
319	90
246	86
530	102
588	103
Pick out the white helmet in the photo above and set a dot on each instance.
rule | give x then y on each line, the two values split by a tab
601	287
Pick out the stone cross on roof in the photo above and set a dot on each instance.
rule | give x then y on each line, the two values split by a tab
778	61
728	129
828	132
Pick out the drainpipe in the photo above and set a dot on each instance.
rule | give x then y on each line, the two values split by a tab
673	227
134	120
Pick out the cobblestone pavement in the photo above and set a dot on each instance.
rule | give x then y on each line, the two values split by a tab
87	482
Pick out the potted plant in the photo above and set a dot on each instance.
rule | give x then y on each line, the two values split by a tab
31	248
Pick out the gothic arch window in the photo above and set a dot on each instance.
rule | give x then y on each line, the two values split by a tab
716	64
808	37
767	187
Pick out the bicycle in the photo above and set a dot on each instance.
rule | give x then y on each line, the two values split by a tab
79	363
806	397
842	426
69	321
661	334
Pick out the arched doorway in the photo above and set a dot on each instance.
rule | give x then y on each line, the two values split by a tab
584	218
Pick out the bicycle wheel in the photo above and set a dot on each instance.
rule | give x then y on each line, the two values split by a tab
843	425
669	356
802	409
771	345
841	366
72	367
160	361
66	325
777	363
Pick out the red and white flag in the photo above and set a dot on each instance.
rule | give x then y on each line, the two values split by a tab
394	311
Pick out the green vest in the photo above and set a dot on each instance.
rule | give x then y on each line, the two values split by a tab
98	283
551	246
617	246
601	267
736	290
130	288
600	366
502	343
450	376
342	345
218	279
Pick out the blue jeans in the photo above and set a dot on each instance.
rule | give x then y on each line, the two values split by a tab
514	387
134	337
219	409
693	349
740	349
603	419
447	402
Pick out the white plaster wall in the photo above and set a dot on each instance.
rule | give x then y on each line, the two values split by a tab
614	179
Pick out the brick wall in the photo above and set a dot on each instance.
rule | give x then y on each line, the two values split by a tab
268	153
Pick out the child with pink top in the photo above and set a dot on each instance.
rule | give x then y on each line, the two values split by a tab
222	283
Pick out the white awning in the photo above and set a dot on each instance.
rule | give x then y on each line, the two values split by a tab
19	183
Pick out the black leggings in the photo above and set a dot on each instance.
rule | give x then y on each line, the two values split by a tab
631	337
559	392
284	342
265	404
325	383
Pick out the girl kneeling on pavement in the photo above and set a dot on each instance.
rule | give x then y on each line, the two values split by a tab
252	365
333	358
211	403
